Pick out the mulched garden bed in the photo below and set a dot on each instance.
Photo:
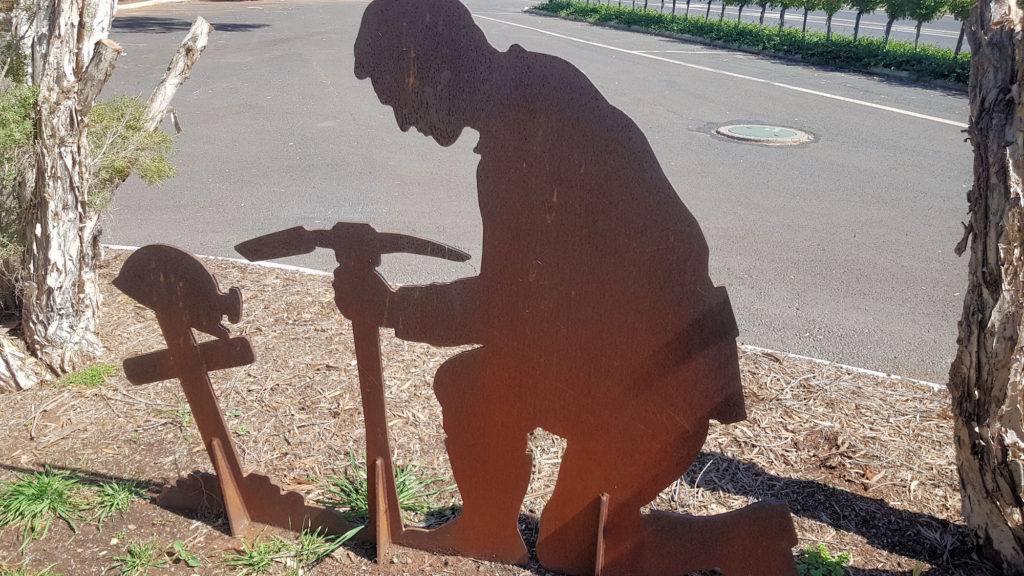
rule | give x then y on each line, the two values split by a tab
865	463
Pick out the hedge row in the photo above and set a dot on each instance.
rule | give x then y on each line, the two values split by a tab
926	62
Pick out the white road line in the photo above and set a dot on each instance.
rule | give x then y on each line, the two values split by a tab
147	4
310	271
865	371
677	52
747	347
735	75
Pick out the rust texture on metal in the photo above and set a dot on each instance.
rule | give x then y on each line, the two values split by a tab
185	297
593	313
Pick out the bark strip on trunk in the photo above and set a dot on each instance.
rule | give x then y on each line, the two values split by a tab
986	375
18	369
178	71
61	299
97	73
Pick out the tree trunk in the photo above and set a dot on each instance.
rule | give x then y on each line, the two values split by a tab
61	299
687	15
856	26
708	11
828	27
782	19
985	378
960	39
917	33
803	29
740	15
721	15
178	71
888	29
673	7
763	8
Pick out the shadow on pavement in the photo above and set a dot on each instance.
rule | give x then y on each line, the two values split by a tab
161	25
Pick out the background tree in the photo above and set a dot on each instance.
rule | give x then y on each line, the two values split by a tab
895	10
986	379
69	174
961	10
783	6
862	7
830	7
740	5
921	11
809	5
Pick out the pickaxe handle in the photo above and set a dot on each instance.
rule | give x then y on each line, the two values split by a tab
382	495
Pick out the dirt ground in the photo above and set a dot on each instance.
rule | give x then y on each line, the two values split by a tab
865	463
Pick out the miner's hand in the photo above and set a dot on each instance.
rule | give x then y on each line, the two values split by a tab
362	297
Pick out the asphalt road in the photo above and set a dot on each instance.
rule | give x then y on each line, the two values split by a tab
839	249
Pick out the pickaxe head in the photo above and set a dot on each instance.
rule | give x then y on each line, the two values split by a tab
176	285
353	244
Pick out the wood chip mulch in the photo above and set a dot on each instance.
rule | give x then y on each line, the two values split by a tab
866	463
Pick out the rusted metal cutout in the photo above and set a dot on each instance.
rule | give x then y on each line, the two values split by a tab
185	297
594	313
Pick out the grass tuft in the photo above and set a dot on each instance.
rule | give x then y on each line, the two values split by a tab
258	557
91	377
112	498
24	571
36	500
816	560
314	546
139	557
349	492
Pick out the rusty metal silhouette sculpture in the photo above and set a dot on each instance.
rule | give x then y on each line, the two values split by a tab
593	312
593	309
185	297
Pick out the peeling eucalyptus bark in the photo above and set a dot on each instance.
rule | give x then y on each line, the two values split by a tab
61	299
986	375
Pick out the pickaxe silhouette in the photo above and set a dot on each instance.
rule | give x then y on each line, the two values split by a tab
358	248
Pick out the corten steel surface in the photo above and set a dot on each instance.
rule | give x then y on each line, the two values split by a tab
593	311
185	297
358	248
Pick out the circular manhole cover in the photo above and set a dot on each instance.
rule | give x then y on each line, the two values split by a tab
764	134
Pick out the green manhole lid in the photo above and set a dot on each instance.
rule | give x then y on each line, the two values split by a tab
764	134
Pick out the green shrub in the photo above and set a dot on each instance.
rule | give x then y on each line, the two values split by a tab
119	143
17	131
926	62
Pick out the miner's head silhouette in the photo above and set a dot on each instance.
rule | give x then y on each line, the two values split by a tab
429	61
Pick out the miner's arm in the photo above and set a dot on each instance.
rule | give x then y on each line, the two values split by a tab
438	314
